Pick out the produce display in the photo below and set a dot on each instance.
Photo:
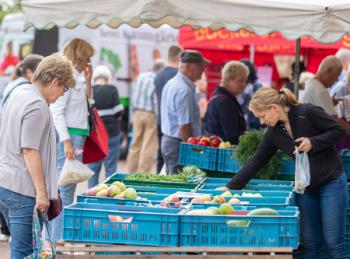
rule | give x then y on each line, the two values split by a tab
120	209
212	141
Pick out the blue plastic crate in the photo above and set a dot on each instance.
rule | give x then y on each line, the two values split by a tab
226	161
253	185
287	166
85	222
271	202
280	183
261	231
191	184
200	156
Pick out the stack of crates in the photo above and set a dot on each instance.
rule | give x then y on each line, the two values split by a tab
117	221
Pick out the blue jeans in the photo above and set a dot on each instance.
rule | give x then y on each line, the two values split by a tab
18	213
110	161
66	191
322	217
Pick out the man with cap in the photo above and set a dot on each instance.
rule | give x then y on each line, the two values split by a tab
179	109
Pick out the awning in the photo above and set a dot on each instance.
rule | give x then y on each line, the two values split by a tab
326	21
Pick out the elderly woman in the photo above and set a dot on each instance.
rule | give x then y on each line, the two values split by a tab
224	117
28	150
22	76
106	98
70	115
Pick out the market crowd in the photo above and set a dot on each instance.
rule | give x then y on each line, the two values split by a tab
45	119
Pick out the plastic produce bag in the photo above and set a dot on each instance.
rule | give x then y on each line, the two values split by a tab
302	172
74	171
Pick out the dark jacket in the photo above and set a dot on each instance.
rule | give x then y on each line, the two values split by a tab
307	121
224	116
106	98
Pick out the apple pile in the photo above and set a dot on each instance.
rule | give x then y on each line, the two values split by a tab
212	141
116	190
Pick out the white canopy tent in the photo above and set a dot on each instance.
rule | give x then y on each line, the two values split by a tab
324	20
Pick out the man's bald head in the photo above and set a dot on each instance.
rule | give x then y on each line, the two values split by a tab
329	70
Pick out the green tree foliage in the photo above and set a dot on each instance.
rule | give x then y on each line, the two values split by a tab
246	148
7	7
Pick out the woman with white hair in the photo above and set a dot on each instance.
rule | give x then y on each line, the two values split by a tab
107	103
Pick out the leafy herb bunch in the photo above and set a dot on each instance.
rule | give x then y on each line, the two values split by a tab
248	144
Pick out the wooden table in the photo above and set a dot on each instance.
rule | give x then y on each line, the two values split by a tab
87	251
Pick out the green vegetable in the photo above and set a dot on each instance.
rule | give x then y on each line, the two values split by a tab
193	171
248	144
157	177
263	212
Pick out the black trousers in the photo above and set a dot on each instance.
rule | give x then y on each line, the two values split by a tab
4	229
160	161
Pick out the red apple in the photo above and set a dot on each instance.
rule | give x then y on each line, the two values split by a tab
215	141
193	141
204	142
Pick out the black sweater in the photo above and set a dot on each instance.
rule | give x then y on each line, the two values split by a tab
107	97
224	116
307	121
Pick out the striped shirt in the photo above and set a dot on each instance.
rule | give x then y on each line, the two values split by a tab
143	92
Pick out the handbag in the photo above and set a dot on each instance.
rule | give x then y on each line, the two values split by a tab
38	245
55	207
96	144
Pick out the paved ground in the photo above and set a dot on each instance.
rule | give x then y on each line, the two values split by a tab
4	247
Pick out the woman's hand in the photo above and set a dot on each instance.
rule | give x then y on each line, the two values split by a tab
305	144
88	72
69	151
42	202
222	188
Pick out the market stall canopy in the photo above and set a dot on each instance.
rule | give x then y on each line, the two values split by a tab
225	40
324	20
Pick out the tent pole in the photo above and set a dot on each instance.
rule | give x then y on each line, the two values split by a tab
297	68
252	53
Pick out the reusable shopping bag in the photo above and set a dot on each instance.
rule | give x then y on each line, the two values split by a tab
302	172
96	144
38	245
74	171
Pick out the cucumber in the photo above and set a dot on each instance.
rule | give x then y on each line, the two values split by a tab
263	212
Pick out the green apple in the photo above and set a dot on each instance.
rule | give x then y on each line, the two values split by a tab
131	194
120	185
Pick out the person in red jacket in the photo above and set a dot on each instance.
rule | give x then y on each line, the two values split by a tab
10	60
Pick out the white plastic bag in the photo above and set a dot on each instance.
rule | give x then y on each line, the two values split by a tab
74	171
302	172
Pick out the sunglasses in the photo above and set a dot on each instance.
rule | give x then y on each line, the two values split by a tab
65	88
